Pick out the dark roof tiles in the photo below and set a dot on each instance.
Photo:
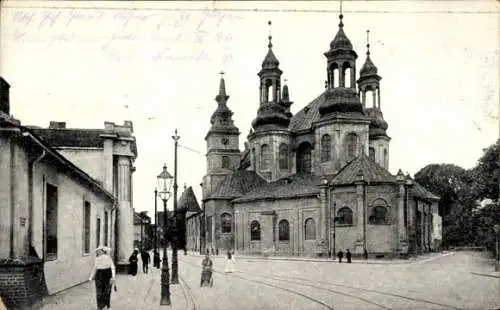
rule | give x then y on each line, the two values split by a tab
372	172
188	201
236	184
289	187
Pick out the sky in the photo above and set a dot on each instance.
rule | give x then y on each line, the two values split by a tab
157	64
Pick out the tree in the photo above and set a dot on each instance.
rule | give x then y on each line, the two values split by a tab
453	184
487	173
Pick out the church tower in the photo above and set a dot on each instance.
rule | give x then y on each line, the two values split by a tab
342	132
223	154
369	89
270	138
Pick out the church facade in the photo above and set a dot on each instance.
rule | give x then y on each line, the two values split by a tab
315	182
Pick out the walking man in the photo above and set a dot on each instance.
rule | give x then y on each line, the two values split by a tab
348	256
145	261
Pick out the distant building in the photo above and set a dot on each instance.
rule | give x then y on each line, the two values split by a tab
190	220
143	231
107	155
317	181
53	215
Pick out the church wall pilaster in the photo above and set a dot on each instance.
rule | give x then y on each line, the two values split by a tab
360	214
402	243
324	218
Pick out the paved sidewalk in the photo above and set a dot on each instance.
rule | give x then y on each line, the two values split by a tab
133	293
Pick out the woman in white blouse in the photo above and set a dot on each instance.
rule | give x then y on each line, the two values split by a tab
104	273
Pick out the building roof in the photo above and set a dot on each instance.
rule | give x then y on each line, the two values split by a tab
290	187
372	172
304	118
308	115
78	137
421	192
71	137
188	202
236	184
59	159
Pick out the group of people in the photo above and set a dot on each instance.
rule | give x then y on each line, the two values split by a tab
145	258
348	255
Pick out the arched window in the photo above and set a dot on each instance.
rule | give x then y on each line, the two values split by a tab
304	158
386	159
265	157
255	231
284	230
310	229
283	156
351	143
333	76
379	215
326	148
226	223
371	153
346	68
225	162
345	216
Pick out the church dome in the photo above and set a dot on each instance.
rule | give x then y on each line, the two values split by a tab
341	100
378	126
368	68
271	115
341	41
270	61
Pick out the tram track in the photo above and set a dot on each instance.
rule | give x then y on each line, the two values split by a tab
278	278
188	294
294	292
290	279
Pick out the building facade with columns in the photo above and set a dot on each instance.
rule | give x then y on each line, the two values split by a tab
108	155
317	181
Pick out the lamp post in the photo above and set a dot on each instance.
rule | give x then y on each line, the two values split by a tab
165	182
175	265
496	229
156	222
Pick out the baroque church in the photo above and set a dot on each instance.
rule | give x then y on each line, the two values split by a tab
314	182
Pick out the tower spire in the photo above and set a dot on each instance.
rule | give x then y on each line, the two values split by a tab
222	85
368	42
341	16
270	37
222	97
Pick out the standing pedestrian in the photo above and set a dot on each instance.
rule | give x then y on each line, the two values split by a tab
156	259
104	273
340	254
365	253
230	262
145	261
348	256
133	262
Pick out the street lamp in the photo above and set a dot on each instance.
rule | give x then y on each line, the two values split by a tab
156	255
164	184
496	228
175	265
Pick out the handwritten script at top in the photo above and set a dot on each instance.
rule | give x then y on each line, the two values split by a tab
130	35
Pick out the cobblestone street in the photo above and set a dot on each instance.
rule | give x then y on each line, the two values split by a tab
435	281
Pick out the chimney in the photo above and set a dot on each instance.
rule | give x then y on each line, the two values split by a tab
4	96
57	125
